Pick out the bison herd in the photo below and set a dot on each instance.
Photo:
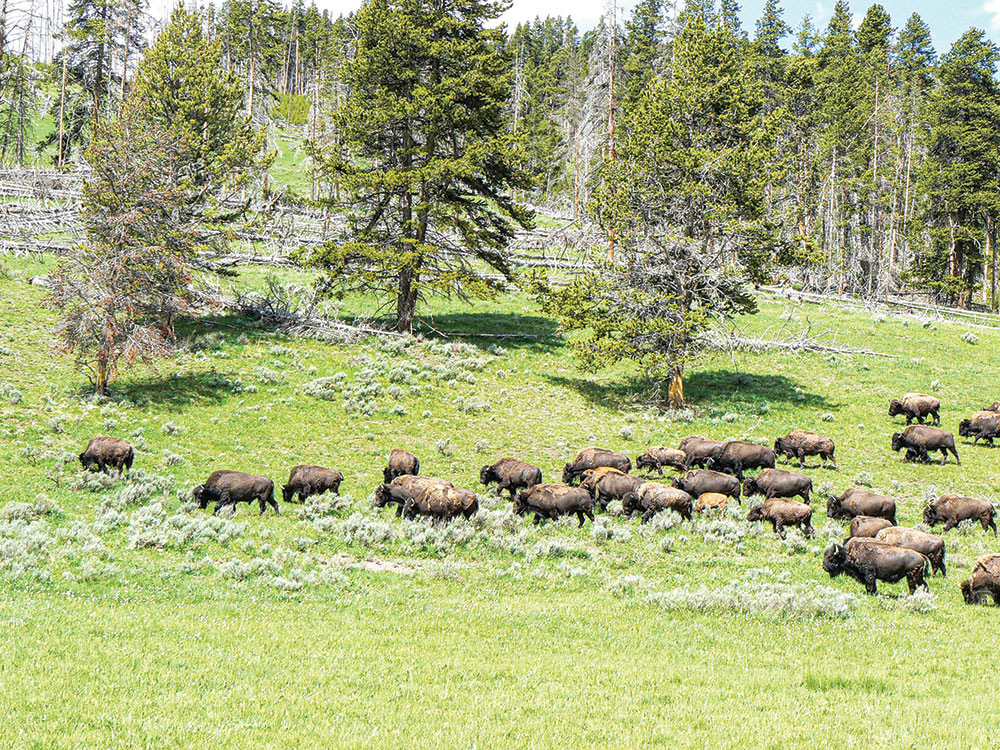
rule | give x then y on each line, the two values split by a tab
711	474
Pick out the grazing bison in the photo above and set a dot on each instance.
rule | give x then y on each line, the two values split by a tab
737	456
802	443
698	451
699	481
651	498
591	458
915	406
404	488
782	513
442	503
953	509
867	526
985	580
306	481
511	475
103	452
227	488
858	501
659	456
928	545
983	425
608	486
401	463
553	500
778	483
868	560
995	406
712	501
918	440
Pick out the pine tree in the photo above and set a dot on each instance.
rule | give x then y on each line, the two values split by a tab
429	164
644	37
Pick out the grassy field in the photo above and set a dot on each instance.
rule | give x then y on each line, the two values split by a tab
128	618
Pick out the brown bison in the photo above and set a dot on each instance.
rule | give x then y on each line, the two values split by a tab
698	451
103	452
928	545
608	486
712	501
778	483
867	526
651	498
442	503
591	458
511	475
553	500
983	425
401	463
782	513
738	456
227	488
404	488
801	443
306	481
915	406
995	406
858	501
985	581
953	509
919	440
659	456
699	481
868	561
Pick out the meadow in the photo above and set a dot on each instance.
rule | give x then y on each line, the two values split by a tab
129	618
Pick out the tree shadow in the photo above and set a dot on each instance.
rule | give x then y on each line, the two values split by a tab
486	329
176	391
719	390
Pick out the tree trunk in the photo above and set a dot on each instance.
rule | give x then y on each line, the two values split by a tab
101	371
675	388
406	300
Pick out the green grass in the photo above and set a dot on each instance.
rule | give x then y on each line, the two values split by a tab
300	633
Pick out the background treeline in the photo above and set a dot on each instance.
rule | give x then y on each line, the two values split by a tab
879	168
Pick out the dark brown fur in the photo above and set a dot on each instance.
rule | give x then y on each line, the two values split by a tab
227	488
306	481
868	561
953	509
401	463
107	452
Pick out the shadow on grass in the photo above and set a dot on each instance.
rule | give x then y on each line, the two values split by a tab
486	329
176	391
713	389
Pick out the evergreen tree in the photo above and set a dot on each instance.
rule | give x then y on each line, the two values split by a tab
429	165
644	36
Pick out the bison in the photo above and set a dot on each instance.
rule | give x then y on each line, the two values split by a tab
984	581
868	561
608	486
306	481
103	452
802	443
782	513
442	503
659	456
919	440
778	483
401	463
553	500
699	481
712	501
868	526
953	509
915	406
511	475
651	498
983	425
698	451
404	488
737	456
928	545
227	488
591	458
858	501
995	406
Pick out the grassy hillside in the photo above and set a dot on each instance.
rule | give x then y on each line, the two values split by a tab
131	618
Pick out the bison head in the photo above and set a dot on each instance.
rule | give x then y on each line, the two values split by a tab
834	559
567	476
756	513
965	428
645	462
521	502
286	493
897	441
387	474
201	495
895	407
779	447
967	594
382	495
750	487
486	475
932	515
835	507
630	502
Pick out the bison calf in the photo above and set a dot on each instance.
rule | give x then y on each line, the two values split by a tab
712	501
103	451
227	488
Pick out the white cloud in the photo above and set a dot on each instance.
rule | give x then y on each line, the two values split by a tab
992	8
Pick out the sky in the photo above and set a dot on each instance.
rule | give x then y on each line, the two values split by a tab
948	19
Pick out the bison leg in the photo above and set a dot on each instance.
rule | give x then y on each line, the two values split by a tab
957	459
834	459
937	417
988	523
538	520
648	515
937	563
870	586
779	528
810	532
802	457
